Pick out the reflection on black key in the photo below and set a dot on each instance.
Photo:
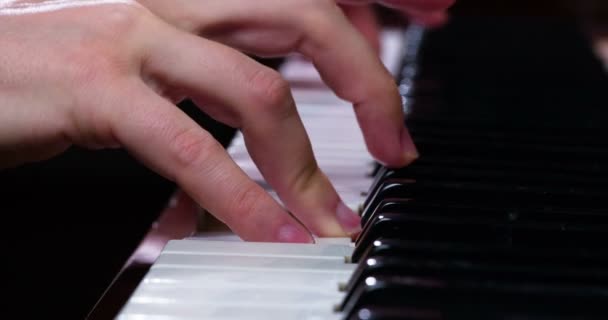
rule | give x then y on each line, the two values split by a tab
394	313
489	230
488	195
548	256
475	298
515	271
565	218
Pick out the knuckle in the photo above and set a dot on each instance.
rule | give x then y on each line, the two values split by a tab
96	51
270	90
191	148
246	201
318	20
121	18
319	11
305	177
87	68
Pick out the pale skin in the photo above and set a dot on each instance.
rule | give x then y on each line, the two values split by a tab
430	13
108	75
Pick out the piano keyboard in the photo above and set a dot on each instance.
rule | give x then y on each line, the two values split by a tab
496	220
217	276
198	279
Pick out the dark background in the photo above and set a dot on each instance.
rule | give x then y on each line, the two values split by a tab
70	223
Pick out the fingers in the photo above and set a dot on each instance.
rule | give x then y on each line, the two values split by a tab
418	5
239	91
363	17
168	141
320	31
429	13
356	74
430	20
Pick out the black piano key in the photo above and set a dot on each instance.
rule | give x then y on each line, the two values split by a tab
448	129
472	172
477	267
468	229
584	162
487	194
394	313
383	190
537	140
539	177
405	313
585	168
507	214
473	298
504	215
482	145
379	177
573	257
377	170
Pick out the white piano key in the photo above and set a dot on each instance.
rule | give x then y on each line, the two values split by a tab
229	294
319	96
258	249
256	293
216	236
253	263
216	277
219	291
148	316
333	170
301	311
323	158
340	241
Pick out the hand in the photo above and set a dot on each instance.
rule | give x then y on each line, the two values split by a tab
108	75
430	13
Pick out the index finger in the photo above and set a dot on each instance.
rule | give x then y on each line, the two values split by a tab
346	62
169	142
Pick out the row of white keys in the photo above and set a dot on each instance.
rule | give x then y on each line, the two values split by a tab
194	279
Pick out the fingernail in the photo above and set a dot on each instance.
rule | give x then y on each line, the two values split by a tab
350	221
410	153
291	233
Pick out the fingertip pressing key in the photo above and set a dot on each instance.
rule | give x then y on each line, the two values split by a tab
293	234
410	152
350	221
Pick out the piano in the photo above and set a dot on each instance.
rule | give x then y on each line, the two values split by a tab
504	216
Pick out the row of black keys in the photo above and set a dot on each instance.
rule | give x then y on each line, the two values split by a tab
459	236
